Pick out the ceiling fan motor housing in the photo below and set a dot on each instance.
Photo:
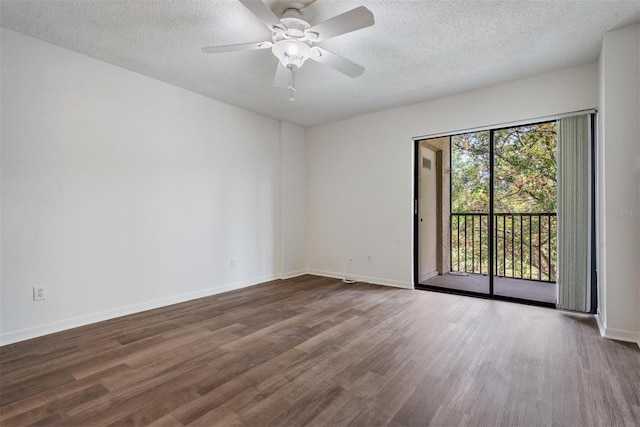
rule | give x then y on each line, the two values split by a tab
296	26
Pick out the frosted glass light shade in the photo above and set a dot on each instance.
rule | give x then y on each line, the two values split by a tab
291	53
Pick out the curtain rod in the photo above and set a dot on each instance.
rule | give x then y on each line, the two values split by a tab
507	124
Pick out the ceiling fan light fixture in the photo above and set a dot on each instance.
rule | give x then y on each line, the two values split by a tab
291	53
293	38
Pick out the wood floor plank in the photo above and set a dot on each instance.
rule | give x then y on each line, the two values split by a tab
315	351
166	421
52	407
57	396
33	385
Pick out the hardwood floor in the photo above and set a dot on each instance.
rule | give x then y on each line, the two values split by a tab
314	351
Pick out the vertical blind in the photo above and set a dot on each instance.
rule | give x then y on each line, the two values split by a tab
574	215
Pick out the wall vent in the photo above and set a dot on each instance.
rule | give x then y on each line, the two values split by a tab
426	163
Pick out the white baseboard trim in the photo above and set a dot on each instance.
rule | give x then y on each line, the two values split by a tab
364	279
62	325
616	334
292	274
599	322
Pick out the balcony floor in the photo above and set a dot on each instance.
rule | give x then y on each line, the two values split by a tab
514	288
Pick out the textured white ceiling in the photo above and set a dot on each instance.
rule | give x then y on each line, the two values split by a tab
417	49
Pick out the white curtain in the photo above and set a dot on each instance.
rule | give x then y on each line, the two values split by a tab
574	214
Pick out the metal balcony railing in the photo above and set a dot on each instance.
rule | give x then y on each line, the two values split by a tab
524	244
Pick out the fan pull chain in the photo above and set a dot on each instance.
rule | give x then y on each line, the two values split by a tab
292	83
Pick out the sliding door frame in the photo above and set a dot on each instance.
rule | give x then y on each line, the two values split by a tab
492	238
593	268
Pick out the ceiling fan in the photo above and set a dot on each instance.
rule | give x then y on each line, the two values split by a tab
293	39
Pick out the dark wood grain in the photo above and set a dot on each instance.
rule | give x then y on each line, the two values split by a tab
314	351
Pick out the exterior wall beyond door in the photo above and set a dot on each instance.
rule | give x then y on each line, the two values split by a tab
441	147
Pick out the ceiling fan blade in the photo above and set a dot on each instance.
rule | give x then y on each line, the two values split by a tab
237	47
353	20
263	13
282	76
336	62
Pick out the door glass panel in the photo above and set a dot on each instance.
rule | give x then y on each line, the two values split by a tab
525	194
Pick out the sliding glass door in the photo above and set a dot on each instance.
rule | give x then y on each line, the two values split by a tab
502	214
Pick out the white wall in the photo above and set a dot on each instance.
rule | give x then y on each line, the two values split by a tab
619	180
361	169
122	193
293	210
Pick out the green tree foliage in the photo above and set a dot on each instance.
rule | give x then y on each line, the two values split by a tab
470	172
525	170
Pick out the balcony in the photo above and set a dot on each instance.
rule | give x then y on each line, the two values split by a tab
525	259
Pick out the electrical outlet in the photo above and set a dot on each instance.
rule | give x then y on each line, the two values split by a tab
39	293
234	263
369	258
